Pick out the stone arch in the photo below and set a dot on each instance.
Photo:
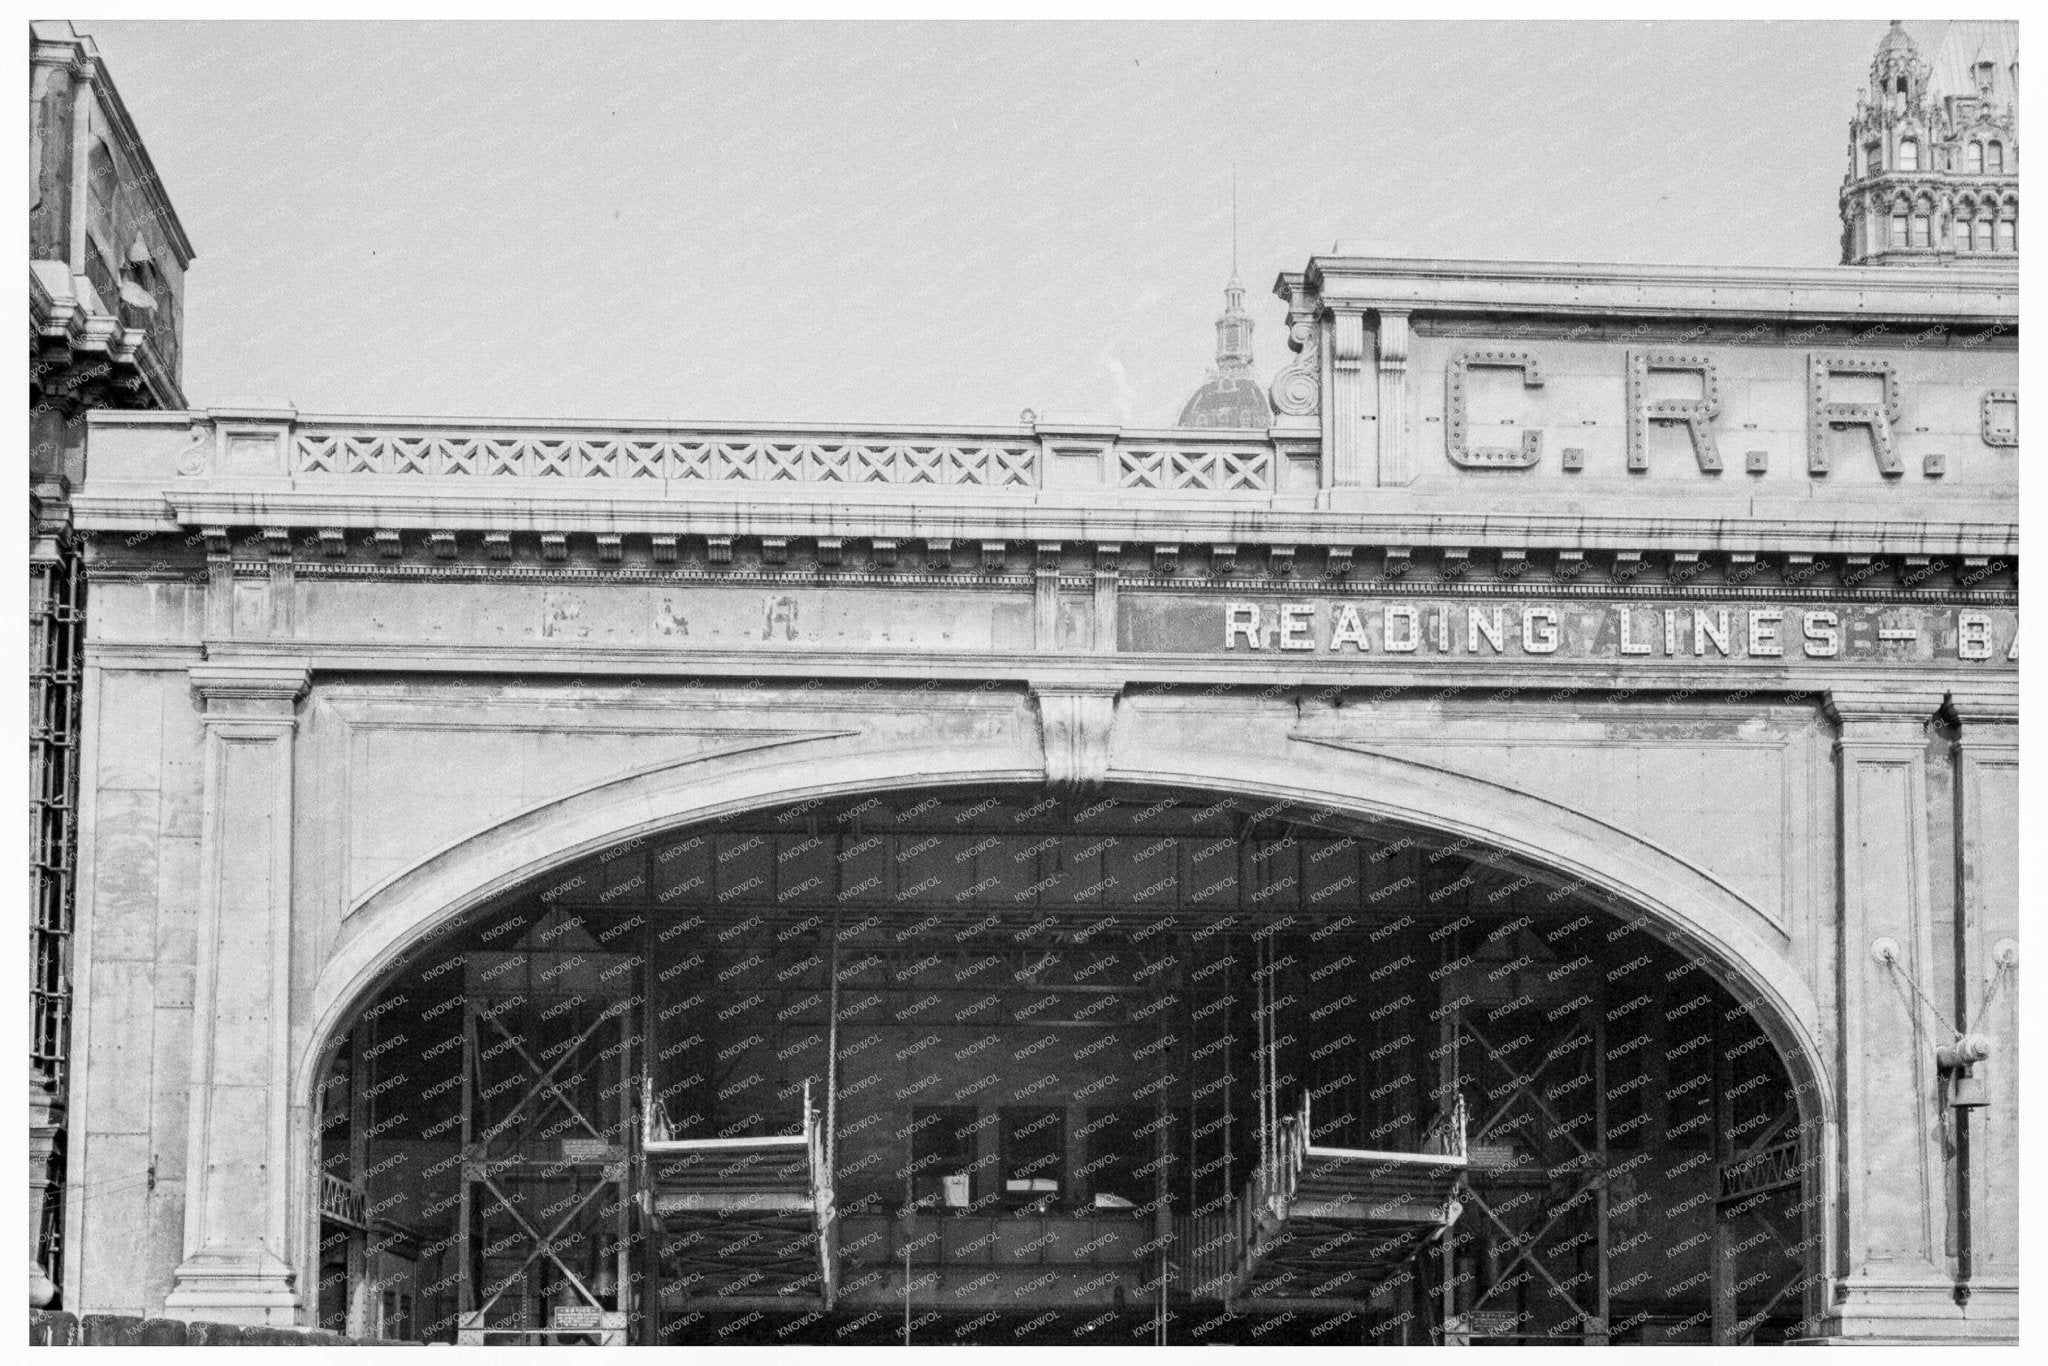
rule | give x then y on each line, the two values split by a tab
1695	911
1685	904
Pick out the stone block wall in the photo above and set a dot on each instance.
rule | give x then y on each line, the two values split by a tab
47	1329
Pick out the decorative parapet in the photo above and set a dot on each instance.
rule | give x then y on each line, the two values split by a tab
598	455
313	451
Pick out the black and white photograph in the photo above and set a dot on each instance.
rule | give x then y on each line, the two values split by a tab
875	682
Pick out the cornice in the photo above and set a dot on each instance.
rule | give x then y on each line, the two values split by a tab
749	430
1907	688
229	685
1368	516
1355	579
1802	294
1985	702
59	319
1890	711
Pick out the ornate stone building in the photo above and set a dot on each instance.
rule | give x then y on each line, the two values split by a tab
107	262
1513	841
1934	153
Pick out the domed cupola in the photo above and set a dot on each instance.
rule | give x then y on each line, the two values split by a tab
1230	396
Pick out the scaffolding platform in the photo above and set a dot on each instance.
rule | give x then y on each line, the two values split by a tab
738	1223
1323	1228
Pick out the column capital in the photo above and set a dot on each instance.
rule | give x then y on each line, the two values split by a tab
1885	707
1392	337
1976	708
1347	338
250	688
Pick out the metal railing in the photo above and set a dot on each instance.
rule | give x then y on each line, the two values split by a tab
1446	1137
1279	1167
1204	1254
824	1200
343	1201
1267	1193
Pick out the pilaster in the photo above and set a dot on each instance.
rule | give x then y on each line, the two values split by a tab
1391	343
1343	437
1108	574
220	583
1987	776
1893	1280
282	572
1045	601
238	1166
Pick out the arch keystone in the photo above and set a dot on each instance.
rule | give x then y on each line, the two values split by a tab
1074	725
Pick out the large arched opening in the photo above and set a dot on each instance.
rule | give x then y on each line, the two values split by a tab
1051	1047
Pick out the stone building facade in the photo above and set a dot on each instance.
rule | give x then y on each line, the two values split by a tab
1552	783
107	261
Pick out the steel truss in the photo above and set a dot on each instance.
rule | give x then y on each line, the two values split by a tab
1764	1185
56	639
1532	1259
1535	1231
544	1234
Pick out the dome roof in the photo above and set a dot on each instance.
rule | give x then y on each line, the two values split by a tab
1230	397
1896	41
1229	400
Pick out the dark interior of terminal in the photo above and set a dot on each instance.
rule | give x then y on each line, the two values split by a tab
994	1067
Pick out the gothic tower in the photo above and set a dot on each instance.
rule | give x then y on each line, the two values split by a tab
1934	152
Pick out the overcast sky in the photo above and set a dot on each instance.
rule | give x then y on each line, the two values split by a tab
916	223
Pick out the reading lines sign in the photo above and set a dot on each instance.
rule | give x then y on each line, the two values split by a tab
1613	631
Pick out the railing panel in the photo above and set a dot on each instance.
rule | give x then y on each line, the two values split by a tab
1191	464
1000	464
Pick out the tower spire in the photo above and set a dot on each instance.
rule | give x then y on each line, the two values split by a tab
1230	397
1233	220
1234	328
